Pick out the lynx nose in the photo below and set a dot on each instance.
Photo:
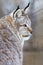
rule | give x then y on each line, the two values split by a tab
30	30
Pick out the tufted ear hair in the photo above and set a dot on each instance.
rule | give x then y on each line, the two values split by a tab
15	10
26	8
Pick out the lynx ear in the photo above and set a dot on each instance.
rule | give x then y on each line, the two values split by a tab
26	8
13	13
15	10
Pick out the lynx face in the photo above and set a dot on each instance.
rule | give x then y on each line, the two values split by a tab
23	24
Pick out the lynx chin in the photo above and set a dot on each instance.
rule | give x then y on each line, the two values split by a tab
15	28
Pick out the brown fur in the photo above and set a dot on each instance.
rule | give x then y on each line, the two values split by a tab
10	20
1	27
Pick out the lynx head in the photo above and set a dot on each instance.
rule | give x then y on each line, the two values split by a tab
23	23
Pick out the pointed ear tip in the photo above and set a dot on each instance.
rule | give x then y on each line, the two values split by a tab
28	3
18	6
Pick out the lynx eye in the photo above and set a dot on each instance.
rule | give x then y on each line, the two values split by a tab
25	25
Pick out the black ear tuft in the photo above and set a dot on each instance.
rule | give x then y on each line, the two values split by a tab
18	7
16	10
27	6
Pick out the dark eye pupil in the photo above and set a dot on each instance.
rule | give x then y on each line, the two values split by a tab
25	25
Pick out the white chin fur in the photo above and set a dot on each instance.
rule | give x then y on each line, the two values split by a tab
26	38
24	32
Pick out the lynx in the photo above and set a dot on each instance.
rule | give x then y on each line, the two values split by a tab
15	28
